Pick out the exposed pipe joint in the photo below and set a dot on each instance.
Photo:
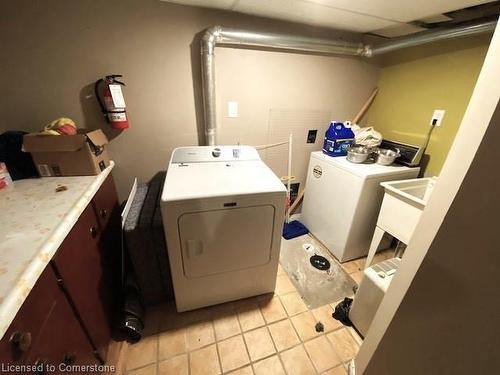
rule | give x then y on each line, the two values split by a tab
219	36
210	39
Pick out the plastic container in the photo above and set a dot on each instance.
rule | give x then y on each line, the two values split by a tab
5	179
338	138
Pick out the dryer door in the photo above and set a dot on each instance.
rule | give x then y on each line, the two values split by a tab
227	240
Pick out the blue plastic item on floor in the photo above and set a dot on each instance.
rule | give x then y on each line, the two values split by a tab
294	229
338	138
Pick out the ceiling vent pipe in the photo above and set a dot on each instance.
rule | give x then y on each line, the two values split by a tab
219	36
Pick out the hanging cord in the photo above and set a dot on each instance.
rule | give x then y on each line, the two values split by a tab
98	97
427	140
289	176
264	147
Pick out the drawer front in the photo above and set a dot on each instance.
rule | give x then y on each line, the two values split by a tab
105	202
25	329
79	263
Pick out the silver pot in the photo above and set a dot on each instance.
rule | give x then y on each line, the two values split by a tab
386	156
358	154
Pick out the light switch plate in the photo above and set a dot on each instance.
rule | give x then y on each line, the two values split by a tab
232	109
437	117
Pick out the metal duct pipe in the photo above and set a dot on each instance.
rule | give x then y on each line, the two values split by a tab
434	36
234	37
218	36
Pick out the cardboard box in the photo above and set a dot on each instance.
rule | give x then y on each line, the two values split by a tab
83	154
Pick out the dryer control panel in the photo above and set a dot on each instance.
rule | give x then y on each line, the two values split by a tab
203	154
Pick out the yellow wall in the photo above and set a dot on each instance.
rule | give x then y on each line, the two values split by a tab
416	81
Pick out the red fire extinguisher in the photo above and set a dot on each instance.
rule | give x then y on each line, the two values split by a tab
113	107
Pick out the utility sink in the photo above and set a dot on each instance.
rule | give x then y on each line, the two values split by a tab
402	206
415	191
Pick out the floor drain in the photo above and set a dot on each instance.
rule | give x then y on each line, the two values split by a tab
319	262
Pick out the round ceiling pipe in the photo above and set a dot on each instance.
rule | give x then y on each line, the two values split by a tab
230	37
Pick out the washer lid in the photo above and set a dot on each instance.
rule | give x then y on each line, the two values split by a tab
216	179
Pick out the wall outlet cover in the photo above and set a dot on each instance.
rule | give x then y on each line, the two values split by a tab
232	109
437	117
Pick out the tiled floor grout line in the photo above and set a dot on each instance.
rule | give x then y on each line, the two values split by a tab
310	359
157	354
216	346
189	362
243	338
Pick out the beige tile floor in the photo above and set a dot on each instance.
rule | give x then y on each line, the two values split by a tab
270	334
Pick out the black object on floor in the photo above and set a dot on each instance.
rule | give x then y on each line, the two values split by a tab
133	309
319	327
341	312
320	262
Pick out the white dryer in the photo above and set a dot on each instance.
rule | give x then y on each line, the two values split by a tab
223	212
343	199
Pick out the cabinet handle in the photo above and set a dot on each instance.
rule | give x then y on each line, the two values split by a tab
93	231
69	358
21	340
103	212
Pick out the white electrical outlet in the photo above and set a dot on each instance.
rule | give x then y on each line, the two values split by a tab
437	117
232	109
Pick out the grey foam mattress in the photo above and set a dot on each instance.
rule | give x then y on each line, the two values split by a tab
145	242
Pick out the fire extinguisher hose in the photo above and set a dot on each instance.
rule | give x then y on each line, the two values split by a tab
98	97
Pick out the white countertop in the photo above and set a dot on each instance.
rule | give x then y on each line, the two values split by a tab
34	221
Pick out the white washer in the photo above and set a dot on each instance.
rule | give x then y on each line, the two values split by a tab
223	212
343	199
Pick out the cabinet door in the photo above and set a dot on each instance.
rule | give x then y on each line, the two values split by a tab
19	338
61	340
107	210
105	202
79	264
47	330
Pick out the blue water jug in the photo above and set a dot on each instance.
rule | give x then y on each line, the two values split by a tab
338	138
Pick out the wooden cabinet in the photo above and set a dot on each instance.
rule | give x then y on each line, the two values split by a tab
67	316
46	331
87	264
78	263
105	204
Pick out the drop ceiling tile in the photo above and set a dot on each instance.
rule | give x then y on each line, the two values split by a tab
398	30
436	18
401	10
312	14
359	15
